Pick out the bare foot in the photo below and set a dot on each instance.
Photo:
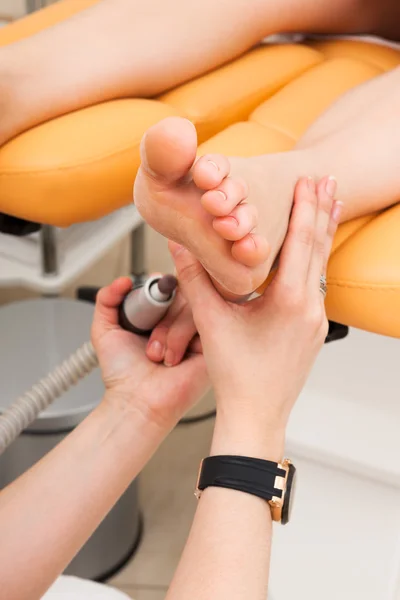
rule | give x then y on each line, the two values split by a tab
176	333
223	210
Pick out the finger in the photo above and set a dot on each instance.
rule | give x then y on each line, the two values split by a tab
157	343
332	228
326	190
195	283
109	299
195	346
296	251
196	378
179	337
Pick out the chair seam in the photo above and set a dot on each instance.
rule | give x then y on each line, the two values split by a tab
372	287
65	167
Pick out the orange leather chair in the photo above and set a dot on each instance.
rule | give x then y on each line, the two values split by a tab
81	166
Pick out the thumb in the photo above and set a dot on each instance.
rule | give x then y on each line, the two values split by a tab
195	283
108	300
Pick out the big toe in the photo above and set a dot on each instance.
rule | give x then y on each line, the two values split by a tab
168	149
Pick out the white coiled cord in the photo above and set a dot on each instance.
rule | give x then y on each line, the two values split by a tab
27	407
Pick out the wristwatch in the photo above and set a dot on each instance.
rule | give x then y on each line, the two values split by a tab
274	482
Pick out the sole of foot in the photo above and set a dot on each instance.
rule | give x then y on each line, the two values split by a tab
210	205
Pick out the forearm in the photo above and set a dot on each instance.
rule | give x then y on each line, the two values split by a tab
228	551
358	141
50	511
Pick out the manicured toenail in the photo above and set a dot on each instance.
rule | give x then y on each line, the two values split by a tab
330	186
214	164
311	183
156	349
169	358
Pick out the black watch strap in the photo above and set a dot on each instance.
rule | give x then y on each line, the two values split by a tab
252	475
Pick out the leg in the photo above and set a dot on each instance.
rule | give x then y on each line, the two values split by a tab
358	140
219	227
347	108
120	48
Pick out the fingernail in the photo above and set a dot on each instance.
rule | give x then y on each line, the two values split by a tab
311	183
337	211
169	358
331	186
156	349
214	164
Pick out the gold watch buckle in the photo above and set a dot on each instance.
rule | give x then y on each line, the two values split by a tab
198	492
276	503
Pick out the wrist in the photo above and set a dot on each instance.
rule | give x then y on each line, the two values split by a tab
244	404
133	414
248	437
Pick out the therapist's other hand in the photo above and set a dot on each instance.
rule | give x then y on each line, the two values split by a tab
259	353
161	394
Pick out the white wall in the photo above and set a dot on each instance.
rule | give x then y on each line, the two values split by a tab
14	8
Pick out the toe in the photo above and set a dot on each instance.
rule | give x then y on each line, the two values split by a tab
241	221
220	202
210	170
168	149
252	250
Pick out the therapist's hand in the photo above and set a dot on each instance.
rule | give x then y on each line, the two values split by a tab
259	354
160	394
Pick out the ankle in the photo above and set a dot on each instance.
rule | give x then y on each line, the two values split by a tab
284	169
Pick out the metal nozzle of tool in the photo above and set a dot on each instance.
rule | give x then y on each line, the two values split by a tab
146	305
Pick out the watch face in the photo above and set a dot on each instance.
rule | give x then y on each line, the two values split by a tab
289	495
